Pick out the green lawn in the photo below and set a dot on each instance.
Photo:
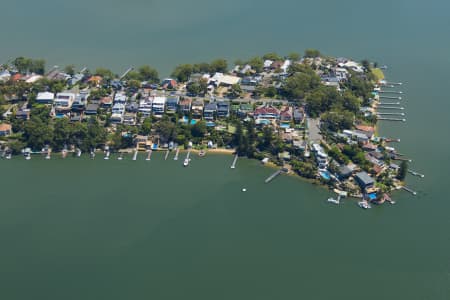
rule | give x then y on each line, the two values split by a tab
378	73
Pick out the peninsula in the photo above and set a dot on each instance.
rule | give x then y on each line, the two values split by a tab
312	115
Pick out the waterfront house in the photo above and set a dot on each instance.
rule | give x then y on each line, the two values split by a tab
358	135
145	107
158	106
5	76
344	172
172	104
185	106
169	83
197	109
120	98
286	115
244	110
298	115
95	80
91	109
5	129
106	102
220	79
223	109
364	180
210	111
80	101
23	114
118	111
64	101
129	119
321	156
45	98
266	113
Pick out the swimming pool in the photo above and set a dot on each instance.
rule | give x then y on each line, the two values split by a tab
325	175
193	122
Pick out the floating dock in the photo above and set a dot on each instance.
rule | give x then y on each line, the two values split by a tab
149	155
135	154
409	190
233	165
416	173
176	154
271	177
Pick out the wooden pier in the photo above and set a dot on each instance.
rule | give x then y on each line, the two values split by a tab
390	103
176	154
391	92
126	73
135	154
149	155
233	165
271	177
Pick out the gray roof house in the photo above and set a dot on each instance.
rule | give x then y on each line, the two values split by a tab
364	180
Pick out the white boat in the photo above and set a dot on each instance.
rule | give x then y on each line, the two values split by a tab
78	152
202	153
107	155
92	154
8	156
364	204
332	200
28	156
47	156
120	157
186	162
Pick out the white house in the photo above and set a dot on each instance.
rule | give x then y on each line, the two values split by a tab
159	104
45	98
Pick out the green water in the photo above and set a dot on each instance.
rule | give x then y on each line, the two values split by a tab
82	229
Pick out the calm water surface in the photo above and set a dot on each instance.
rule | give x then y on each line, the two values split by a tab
82	229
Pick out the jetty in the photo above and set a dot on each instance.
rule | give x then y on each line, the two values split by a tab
149	155
390	97
233	165
107	155
391	114
135	154
187	159
391	119
167	154
390	92
393	83
126	73
416	173
79	152
390	103
271	177
409	190
176	154
391	107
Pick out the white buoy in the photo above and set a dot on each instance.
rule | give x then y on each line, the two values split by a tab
244	189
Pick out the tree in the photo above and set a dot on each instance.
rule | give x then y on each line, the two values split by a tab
183	72
402	171
166	130
146	127
61	133
235	91
105	73
199	130
37	66
312	53
294	56
299	84
219	65
37	134
149	74
337	120
257	64
22	64
272	56
70	69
